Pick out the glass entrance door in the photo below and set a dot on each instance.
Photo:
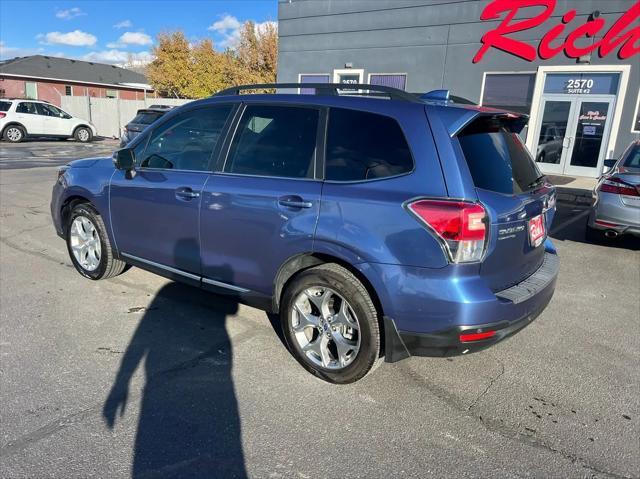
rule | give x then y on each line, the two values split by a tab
553	134
589	137
572	134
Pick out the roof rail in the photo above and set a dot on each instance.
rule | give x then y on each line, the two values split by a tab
14	98
329	89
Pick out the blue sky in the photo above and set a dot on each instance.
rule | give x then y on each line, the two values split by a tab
110	31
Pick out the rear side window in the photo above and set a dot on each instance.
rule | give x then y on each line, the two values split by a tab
497	158
26	107
186	141
275	141
633	159
146	118
5	105
365	146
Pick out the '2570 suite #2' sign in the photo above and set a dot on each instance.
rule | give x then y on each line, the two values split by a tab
623	35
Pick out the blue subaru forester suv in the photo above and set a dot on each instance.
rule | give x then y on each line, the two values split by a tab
376	223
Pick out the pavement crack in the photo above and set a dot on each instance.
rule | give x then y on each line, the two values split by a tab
534	441
489	386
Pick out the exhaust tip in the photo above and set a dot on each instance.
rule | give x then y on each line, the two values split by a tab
611	234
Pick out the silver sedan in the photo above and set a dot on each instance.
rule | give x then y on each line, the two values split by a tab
616	209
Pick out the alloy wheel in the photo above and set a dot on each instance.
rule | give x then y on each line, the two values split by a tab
325	327
14	134
83	135
85	243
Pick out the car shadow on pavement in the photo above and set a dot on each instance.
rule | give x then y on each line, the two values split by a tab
576	231
188	423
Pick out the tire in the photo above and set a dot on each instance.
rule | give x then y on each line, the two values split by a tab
358	329
83	134
14	134
100	260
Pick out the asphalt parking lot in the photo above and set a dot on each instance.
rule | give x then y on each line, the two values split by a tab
36	153
139	375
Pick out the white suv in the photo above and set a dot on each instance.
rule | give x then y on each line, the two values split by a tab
22	118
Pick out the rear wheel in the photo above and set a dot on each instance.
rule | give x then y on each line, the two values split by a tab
330	324
83	134
14	134
89	246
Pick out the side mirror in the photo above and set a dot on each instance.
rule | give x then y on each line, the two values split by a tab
608	164
124	159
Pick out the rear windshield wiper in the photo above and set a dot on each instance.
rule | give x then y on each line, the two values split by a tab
536	182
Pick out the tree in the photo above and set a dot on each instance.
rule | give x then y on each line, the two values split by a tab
196	70
207	73
257	52
169	73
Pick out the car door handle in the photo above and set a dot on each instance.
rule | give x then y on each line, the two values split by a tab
294	202
186	193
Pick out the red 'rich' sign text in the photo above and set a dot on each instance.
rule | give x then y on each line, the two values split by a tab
623	35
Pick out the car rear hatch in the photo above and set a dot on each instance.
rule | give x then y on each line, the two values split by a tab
518	200
142	120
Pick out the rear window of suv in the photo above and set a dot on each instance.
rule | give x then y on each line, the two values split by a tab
5	105
146	117
497	158
365	146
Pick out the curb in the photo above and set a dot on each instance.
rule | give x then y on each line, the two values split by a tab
574	195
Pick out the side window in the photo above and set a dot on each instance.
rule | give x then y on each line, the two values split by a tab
186	141
50	110
26	107
365	146
275	141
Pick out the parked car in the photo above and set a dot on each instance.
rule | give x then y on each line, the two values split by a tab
550	145
373	227
143	119
20	119
616	209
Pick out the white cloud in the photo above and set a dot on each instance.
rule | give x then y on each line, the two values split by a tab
262	26
11	52
117	57
131	38
123	24
76	38
227	22
69	13
228	27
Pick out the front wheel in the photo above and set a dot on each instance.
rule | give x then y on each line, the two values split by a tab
89	246
330	324
83	134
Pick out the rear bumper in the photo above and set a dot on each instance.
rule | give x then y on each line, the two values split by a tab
614	215
523	302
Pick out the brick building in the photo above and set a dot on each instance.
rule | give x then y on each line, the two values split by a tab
50	78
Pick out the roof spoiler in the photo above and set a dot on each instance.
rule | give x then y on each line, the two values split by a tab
436	95
456	119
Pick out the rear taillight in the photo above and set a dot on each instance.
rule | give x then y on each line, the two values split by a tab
460	226
617	186
477	336
2	114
